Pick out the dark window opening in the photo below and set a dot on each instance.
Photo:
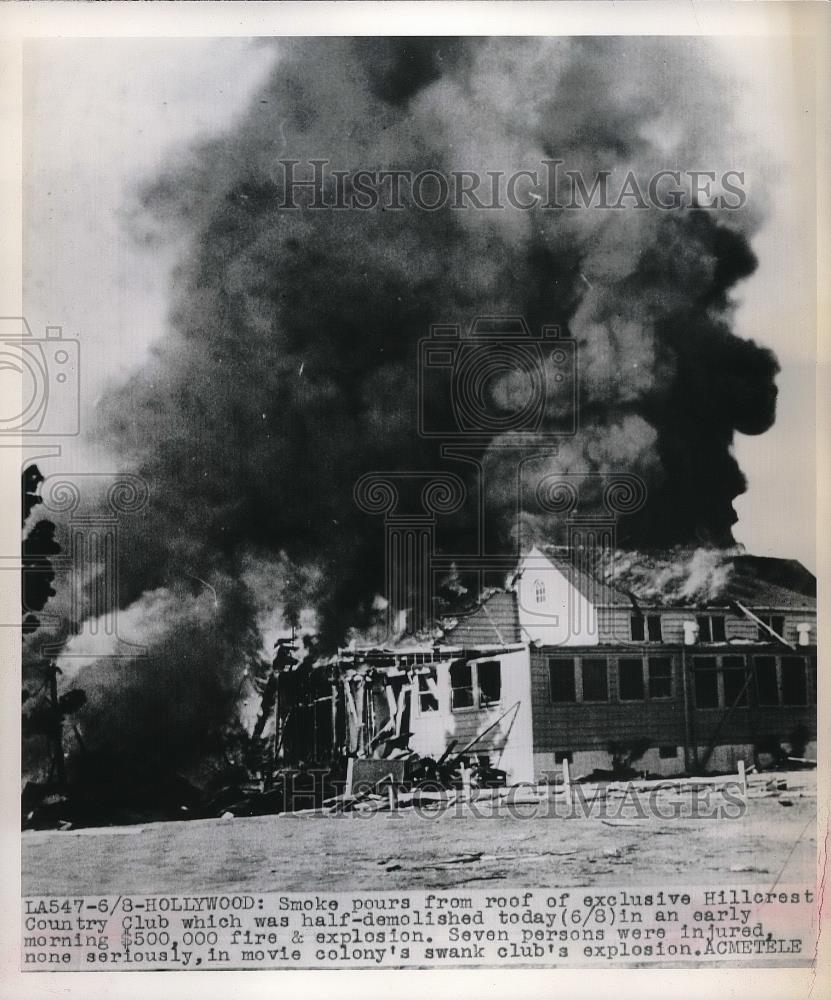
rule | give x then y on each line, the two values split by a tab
776	622
794	681
561	678
630	680
766	685
595	680
665	753
461	685
653	623
489	676
735	680
660	677
711	628
636	623
704	633
563	755
706	682
428	692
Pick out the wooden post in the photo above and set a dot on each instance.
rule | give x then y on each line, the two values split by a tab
466	781
350	765
393	798
742	777
56	727
566	778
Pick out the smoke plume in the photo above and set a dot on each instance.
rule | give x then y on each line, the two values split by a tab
290	366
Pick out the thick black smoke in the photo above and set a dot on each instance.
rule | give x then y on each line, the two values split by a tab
289	369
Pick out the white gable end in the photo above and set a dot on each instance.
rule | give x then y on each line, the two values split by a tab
551	610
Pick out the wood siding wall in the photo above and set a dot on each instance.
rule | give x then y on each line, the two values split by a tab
614	624
592	725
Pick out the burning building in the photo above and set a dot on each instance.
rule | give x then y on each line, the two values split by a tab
678	663
289	371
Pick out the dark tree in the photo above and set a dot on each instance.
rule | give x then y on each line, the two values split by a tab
38	545
47	715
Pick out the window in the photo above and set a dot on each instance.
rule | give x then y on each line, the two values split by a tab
660	677
461	685
475	685
539	591
667	753
595	679
563	755
643	628
653	624
767	687
711	628
735	680
489	682
561	679
630	679
776	622
706	681
794	682
428	692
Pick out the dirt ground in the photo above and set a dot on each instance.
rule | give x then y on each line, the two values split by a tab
773	842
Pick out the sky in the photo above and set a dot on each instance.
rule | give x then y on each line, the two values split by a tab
101	116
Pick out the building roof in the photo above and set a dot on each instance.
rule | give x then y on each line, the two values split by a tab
771	583
600	593
679	578
702	577
495	622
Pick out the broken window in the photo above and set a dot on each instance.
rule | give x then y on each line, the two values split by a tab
595	681
653	624
776	622
489	676
660	677
636	624
794	681
539	591
561	679
767	687
630	679
706	682
461	685
475	685
428	692
735	688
